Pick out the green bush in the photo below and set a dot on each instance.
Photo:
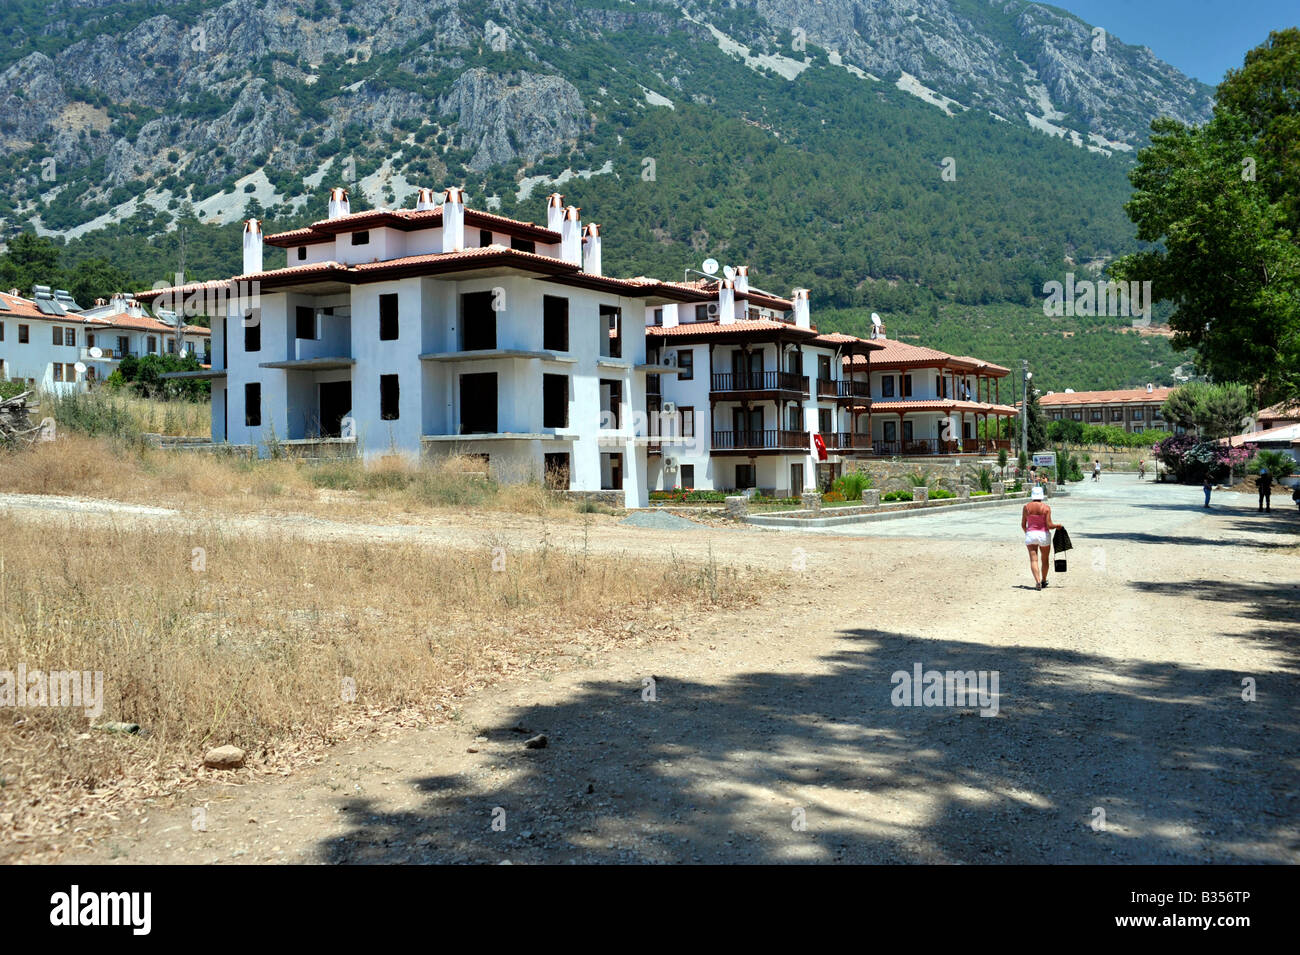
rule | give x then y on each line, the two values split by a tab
852	485
939	494
982	477
1279	463
894	496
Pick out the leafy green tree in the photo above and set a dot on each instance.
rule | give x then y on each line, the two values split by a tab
29	260
1214	410
1219	202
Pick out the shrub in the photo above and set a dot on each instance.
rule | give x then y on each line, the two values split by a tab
982	477
939	494
832	497
1190	460
851	485
1279	463
919	479
893	496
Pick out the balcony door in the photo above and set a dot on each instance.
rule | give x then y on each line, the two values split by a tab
747	369
335	403
747	427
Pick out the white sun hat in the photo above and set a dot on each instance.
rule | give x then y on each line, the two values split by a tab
1036	494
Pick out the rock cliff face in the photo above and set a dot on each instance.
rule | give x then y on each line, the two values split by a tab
101	99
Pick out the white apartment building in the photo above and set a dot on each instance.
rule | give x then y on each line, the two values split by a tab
437	330
756	390
51	343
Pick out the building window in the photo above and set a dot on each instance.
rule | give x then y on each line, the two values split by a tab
305	322
685	364
389	393
58	371
2	331
746	476
361	238
555	401
69	372
555	323
253	404
478	403
1137	414
887	386
152	344
1076	415
907	386
123	346
478	321
557	470
1095	414
522	245
701	313
1056	416
484	237
611	323
688	421
1116	414
658	316
687	480
24	333
58	335
302	253
388	317
252	331
823	421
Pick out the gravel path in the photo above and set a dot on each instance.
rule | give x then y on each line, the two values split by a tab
1121	733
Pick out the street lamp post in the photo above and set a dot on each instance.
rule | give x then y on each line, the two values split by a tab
1026	377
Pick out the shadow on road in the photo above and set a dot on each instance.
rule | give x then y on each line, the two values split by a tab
1183	768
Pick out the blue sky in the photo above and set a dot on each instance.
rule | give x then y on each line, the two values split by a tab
1203	38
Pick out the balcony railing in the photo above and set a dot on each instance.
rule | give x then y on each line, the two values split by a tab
760	381
847	441
759	440
853	389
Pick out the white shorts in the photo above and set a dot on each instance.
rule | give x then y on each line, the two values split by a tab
1038	538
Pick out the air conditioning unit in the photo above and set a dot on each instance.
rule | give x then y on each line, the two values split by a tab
712	310
670	464
669	360
668	407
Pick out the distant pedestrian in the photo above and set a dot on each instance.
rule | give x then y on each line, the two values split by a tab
1265	491
1142	470
1295	495
1207	487
1036	521
1096	469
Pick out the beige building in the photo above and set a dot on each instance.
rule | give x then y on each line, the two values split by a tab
1133	409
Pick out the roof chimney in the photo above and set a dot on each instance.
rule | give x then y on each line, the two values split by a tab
802	319
591	249
1150	387
424	200
252	247
726	302
453	219
742	279
554	211
571	236
339	202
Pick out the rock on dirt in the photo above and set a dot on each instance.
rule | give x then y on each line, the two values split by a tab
536	742
660	521
224	757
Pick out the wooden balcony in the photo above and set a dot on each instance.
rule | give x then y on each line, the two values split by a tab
747	442
847	442
758	384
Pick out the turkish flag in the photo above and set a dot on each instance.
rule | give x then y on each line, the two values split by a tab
820	445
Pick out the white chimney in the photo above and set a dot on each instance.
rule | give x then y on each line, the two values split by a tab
453	219
339	202
424	200
1150	387
554	211
726	302
571	236
742	279
591	249
802	318
671	319
252	247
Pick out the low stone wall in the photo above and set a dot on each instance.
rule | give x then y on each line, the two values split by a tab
608	498
831	516
891	475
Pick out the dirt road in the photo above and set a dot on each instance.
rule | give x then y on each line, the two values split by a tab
1121	732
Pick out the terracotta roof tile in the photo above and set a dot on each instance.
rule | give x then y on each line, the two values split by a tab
1122	396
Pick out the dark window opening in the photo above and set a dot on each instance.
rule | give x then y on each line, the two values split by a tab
361	238
685	364
611	323
24	334
478	321
555	401
746	476
522	245
252	331
478	403
302	252
687	479
907	386
388	318
389	394
305	322
253	405
555	323
887	386
484	237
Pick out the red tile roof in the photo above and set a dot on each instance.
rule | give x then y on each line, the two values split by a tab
1121	396
941	404
406	220
746	327
896	354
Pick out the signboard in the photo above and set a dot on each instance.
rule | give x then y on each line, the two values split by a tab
1045	459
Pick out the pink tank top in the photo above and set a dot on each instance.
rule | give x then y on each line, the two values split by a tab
1037	522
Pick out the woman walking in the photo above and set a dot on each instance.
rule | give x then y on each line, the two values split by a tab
1036	521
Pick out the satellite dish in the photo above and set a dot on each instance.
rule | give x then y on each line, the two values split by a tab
875	320
710	266
729	272
81	367
97	352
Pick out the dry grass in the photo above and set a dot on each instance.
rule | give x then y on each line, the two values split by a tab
392	488
254	647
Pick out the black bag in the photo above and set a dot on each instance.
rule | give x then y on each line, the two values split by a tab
1059	564
1061	541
